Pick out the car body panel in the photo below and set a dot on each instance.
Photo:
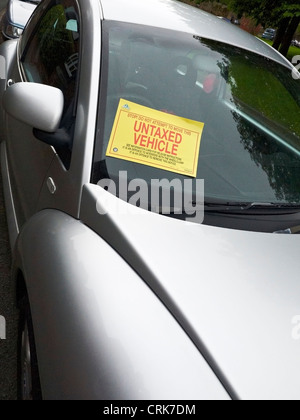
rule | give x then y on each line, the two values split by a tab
20	152
16	154
26	155
11	216
8	53
182	18
99	306
68	183
234	292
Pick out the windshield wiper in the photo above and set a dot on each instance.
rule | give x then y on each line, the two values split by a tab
251	208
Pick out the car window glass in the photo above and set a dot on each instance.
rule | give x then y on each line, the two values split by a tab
52	54
250	147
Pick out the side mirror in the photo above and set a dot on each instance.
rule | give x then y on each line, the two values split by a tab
39	106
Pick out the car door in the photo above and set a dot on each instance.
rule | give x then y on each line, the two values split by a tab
48	54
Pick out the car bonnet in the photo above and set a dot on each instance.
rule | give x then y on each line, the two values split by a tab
235	293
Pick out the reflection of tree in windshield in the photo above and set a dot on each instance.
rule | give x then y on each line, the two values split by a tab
224	68
282	169
265	124
57	45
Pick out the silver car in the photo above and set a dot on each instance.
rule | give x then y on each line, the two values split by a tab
150	157
269	33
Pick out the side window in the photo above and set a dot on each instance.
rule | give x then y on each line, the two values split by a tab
51	56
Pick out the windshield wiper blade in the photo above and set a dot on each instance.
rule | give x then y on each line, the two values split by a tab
276	206
255	207
223	207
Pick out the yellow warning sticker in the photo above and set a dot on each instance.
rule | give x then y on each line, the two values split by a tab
155	138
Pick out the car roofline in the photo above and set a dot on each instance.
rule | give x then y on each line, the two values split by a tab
178	16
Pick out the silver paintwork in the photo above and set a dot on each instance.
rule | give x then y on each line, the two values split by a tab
23	100
178	16
11	216
114	337
143	306
234	292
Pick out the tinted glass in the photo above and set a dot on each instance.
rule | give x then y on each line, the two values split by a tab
50	55
53	52
250	149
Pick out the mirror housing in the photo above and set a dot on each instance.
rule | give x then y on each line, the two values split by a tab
39	106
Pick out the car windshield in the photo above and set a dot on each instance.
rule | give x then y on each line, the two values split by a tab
248	104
